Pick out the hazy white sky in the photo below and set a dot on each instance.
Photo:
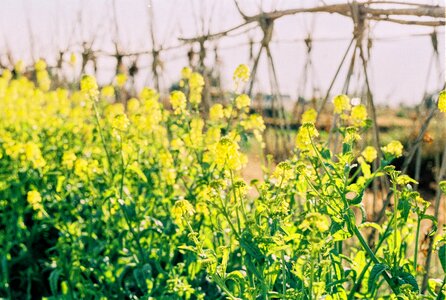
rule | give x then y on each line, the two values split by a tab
399	64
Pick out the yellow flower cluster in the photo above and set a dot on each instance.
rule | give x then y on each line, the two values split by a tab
35	200
196	84
68	159
341	103
358	115
182	208
304	136
242	101
228	156
19	67
178	101
89	86
283	173
309	116
369	154
442	101
43	78
186	72
121	79
241	73
216	112
394	148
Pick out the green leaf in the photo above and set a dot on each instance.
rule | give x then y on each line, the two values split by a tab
53	279
325	153
346	148
357	199
374	274
404	206
409	279
371	224
442	256
434	223
443	186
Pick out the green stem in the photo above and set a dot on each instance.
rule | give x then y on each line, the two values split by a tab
101	134
311	277
415	256
374	258
364	270
283	275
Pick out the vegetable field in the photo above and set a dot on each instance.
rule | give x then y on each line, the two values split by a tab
142	199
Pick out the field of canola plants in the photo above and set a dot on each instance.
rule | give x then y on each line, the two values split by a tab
100	200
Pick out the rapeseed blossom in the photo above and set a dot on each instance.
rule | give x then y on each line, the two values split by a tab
228	156
19	67
73	59
33	155
242	101
121	79
178	101
341	103
108	91
35	200
442	101
40	65
358	115
283	173
241	73
305	135
133	105
369	154
309	116
216	112
186	72
89	86
394	148
68	159
196	84
182	208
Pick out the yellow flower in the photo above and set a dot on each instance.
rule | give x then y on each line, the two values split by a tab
186	72
121	79
196	80
358	115
316	221
242	101
108	91
227	155
182	208
43	79
19	67
89	86
442	101
216	112
35	200
133	105
81	168
369	154
68	159
394	148
33	155
40	65
196	84
309	116
178	101
120	122
304	136
73	59
283	172
241	73
341	103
